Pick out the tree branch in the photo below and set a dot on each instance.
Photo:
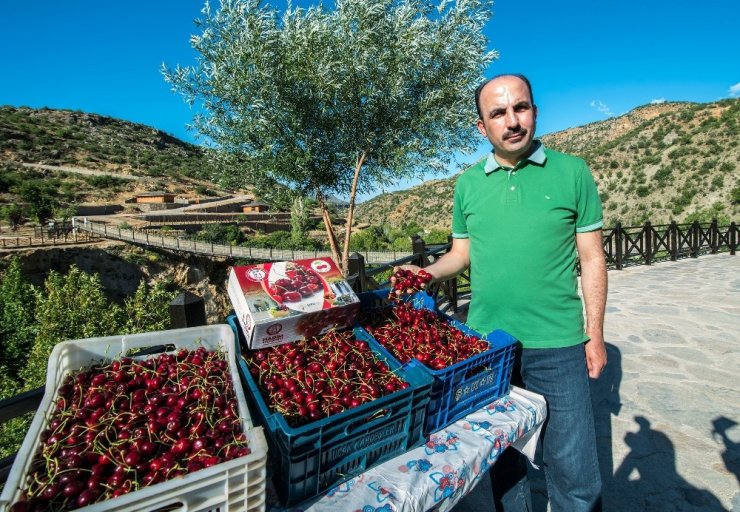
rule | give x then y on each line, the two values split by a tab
329	228
351	209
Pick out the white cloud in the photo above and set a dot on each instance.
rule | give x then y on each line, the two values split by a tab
735	90
657	101
601	107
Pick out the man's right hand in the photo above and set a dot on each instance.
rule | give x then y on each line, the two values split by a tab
413	268
408	279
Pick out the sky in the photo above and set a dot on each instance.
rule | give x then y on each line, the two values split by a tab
587	60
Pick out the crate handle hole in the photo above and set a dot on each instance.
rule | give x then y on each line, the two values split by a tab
146	351
478	370
178	505
382	413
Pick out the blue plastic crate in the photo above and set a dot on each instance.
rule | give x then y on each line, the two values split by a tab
311	459
465	386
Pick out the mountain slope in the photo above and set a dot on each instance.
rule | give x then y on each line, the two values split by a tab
78	139
670	161
75	158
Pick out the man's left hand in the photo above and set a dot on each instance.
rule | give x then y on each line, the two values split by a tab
595	355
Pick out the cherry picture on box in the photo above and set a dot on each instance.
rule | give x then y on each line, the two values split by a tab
296	287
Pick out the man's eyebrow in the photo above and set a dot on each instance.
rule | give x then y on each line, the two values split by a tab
523	103
495	111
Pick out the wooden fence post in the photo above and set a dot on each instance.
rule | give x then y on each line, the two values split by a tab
673	240
417	248
733	237
618	239
695	239
648	241
714	237
356	266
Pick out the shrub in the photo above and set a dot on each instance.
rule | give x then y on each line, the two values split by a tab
70	307
727	167
17	324
663	175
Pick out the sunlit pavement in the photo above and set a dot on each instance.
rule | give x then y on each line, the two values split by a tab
667	407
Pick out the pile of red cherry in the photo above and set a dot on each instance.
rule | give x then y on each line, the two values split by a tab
405	281
122	426
321	376
423	335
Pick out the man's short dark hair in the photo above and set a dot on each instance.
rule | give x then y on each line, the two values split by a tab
486	82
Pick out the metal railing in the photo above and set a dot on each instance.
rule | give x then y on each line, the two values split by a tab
646	244
173	243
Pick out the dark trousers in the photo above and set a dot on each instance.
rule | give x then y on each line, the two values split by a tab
568	437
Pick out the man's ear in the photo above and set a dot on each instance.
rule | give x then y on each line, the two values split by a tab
481	127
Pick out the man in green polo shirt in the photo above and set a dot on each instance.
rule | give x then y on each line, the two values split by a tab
522	218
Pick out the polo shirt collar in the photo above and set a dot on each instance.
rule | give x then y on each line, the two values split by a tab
538	157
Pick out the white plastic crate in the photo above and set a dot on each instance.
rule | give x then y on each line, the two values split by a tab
235	485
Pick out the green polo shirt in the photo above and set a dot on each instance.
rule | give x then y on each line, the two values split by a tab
522	223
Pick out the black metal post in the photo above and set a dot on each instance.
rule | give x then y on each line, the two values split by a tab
714	237
356	267
187	310
673	241
648	234
418	247
695	239
733	238
618	242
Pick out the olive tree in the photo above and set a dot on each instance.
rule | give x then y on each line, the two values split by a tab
337	101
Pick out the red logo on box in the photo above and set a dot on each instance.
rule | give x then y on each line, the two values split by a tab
256	274
274	329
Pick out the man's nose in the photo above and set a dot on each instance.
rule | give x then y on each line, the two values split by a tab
512	121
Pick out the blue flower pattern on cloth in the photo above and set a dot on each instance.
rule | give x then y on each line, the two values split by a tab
344	487
441	443
381	493
450	482
503	405
435	475
384	508
476	426
421	465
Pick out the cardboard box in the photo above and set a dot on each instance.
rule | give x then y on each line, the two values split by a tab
285	301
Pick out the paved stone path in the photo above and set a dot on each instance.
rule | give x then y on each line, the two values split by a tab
667	407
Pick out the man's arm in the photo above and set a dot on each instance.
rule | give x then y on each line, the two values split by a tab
594	288
449	265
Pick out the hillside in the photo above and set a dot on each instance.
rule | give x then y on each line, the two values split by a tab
81	158
663	162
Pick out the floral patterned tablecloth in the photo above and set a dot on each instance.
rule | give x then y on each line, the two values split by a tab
438	474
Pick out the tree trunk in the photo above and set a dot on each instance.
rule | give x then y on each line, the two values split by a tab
329	229
351	211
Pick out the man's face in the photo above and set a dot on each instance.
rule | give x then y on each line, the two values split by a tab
509	118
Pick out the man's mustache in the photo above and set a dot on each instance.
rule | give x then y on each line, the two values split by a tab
513	133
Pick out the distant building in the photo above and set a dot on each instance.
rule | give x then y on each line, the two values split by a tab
155	197
255	207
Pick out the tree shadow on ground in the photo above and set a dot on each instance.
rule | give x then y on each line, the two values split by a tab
731	455
647	478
